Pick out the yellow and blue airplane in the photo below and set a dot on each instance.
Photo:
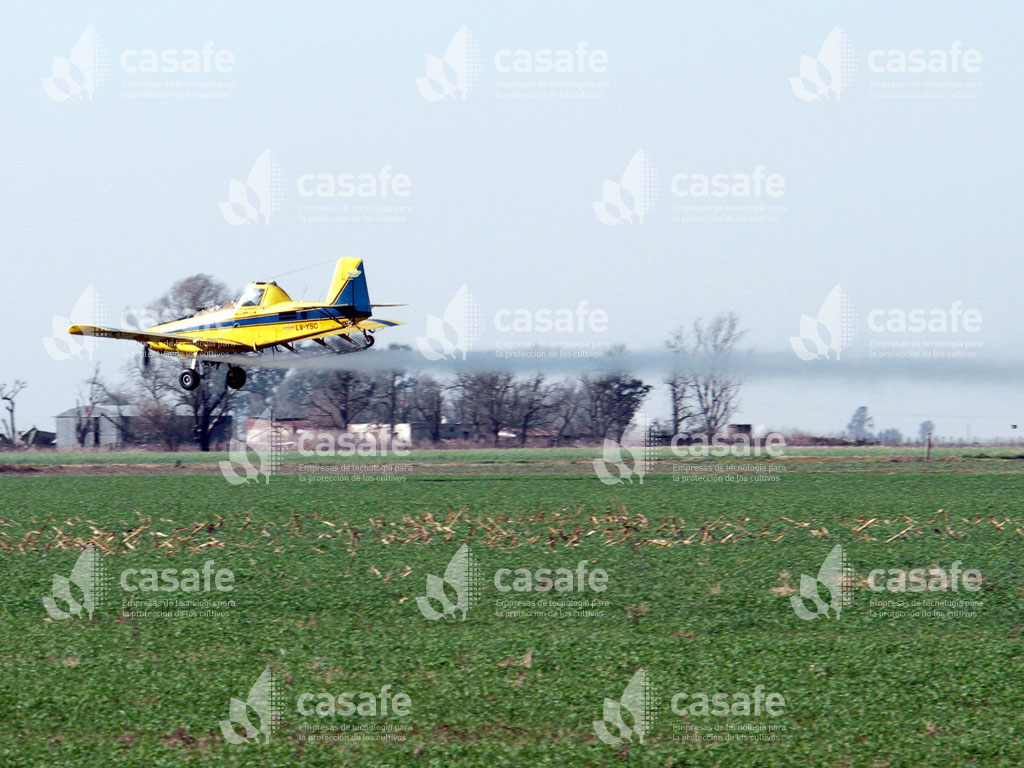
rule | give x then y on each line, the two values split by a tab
263	318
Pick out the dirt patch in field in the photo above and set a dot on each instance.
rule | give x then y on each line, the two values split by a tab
109	469
18	469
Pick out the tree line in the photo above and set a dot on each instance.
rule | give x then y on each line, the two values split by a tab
489	406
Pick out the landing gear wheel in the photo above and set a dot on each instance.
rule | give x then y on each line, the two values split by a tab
236	378
369	340
188	379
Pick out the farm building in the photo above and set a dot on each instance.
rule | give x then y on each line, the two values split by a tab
93	426
108	425
299	433
37	438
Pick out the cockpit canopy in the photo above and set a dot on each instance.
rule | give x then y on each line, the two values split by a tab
261	295
252	296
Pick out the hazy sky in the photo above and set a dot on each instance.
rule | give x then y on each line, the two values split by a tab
905	190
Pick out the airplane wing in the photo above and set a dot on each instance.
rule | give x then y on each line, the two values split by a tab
144	337
365	325
377	322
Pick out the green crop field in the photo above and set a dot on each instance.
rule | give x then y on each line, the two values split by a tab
695	568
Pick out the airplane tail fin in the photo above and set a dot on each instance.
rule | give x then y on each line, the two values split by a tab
348	286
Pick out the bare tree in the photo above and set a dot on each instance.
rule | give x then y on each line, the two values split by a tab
392	389
157	421
704	389
89	421
190	295
567	403
87	425
487	399
156	395
210	407
464	408
262	386
8	394
531	405
679	385
427	403
210	404
340	398
861	424
890	436
609	402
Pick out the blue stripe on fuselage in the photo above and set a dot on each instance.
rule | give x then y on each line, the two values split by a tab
301	316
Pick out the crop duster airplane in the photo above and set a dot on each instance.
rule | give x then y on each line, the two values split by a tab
263	318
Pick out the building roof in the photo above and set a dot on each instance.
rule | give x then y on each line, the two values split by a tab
100	409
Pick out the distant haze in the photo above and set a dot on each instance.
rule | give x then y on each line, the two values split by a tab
905	190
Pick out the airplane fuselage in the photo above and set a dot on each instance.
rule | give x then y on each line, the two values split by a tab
260	327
